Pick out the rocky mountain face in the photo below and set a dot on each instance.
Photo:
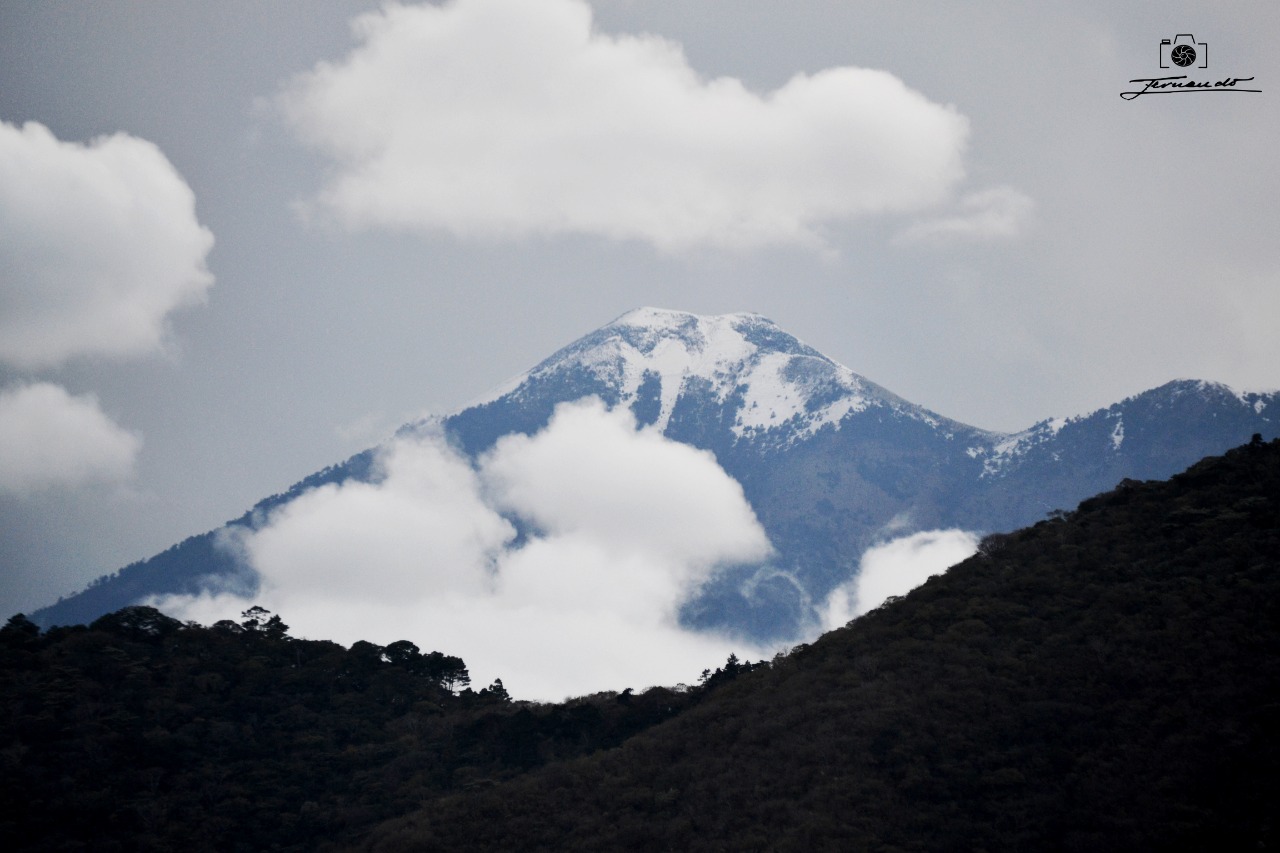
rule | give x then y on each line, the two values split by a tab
831	462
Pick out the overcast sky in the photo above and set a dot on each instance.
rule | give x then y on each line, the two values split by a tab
240	241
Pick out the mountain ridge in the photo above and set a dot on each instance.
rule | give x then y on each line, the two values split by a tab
829	460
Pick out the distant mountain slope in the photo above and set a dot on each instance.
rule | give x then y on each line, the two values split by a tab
1054	463
1102	681
831	462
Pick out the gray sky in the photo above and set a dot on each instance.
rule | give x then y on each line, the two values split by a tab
984	226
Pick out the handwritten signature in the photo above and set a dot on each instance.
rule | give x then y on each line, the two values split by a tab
1180	83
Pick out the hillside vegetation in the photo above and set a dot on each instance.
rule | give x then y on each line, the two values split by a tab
141	733
1104	680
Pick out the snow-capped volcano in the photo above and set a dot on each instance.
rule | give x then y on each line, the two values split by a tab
830	462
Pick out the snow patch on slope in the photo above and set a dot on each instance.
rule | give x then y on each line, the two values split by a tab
781	389
1009	450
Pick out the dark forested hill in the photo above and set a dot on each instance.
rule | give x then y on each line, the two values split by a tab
1105	680
139	733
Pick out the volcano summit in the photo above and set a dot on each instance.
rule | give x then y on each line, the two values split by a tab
829	462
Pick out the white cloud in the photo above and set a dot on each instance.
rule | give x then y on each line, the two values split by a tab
628	525
593	474
98	243
422	531
49	438
993	214
896	568
498	118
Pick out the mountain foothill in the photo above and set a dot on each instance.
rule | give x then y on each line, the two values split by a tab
1104	679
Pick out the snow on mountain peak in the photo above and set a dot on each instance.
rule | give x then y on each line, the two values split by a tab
774	379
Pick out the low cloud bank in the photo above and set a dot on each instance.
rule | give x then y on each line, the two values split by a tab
621	527
558	562
896	568
508	118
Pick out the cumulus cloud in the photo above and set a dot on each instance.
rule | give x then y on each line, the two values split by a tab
593	474
896	568
98	243
49	438
422	531
993	214
622	527
497	118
